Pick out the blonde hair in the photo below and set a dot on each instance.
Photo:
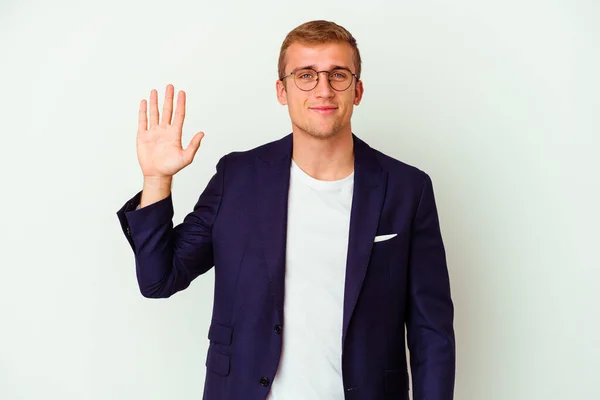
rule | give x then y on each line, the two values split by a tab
318	32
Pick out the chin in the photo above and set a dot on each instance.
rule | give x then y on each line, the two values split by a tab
321	132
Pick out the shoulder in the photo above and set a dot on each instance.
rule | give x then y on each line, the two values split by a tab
273	149
398	171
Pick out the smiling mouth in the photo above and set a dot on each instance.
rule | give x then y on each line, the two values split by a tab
323	110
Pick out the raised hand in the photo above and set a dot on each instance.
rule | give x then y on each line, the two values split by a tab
159	148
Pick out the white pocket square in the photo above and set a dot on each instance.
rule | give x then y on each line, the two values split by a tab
381	238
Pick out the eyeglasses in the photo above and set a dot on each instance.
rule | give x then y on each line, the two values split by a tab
306	79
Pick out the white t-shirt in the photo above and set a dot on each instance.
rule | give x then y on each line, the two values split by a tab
317	244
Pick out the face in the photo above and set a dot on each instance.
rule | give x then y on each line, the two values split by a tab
322	112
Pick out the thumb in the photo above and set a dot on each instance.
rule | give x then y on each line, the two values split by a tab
190	151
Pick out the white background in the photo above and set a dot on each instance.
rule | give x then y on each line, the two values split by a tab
496	100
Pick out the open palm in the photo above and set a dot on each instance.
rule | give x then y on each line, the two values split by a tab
159	148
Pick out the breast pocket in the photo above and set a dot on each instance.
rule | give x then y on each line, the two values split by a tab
389	255
386	244
383	238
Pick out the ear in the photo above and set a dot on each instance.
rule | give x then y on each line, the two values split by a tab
281	92
358	92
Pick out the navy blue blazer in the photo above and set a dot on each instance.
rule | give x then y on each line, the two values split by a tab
238	225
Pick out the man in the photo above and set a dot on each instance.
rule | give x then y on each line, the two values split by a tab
323	248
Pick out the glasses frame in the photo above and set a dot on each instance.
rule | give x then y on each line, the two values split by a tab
318	75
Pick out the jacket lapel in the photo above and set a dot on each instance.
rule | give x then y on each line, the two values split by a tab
367	201
273	166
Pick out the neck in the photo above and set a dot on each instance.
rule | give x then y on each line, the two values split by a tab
324	159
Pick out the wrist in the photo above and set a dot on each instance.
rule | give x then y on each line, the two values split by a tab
158	182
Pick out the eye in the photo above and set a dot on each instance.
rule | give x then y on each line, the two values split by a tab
305	75
339	74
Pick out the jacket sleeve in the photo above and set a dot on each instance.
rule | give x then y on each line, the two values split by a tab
169	258
430	313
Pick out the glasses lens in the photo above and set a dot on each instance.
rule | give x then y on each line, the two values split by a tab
340	79
306	79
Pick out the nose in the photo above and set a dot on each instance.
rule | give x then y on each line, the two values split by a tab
323	88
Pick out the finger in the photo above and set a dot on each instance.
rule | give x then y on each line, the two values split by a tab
143	117
168	105
180	111
193	147
153	108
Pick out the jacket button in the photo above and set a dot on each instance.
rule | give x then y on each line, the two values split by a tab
264	381
278	329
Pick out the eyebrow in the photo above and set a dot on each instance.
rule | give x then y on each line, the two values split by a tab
315	67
